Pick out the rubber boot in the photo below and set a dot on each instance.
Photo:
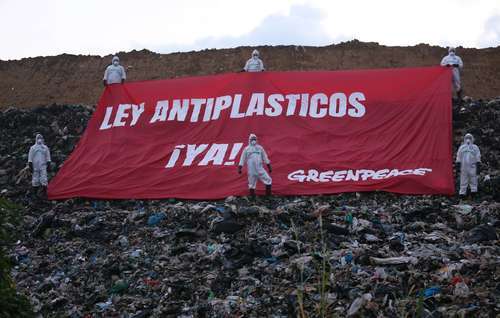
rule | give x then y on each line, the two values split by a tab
268	190
34	193
252	194
43	193
39	193
459	96
473	195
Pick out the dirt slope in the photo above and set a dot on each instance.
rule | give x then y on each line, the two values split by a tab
71	79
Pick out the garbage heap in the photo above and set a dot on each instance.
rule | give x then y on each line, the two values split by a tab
355	254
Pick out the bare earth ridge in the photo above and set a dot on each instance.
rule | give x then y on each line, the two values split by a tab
76	79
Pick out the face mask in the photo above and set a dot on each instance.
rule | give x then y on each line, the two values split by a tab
39	141
468	141
115	63
253	142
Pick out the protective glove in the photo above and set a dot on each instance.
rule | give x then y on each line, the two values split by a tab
49	165
269	167
104	83
448	65
240	168
455	65
478	167
31	166
123	81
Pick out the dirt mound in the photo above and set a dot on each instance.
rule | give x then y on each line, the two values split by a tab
76	79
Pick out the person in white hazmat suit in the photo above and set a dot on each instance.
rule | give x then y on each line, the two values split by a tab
114	73
254	156
469	162
453	60
38	161
254	64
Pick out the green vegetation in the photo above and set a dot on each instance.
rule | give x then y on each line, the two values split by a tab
11	303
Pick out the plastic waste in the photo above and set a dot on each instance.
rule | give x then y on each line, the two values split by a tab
156	218
358	303
396	242
123	241
394	260
463	208
97	205
139	206
346	259
379	274
227	226
151	282
271	259
84	243
336	229
211	295
348	218
482	233
119	287
211	248
371	237
105	305
431	291
136	254
461	289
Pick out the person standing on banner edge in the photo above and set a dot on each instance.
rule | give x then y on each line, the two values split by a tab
453	60
254	64
469	164
38	161
254	156
114	73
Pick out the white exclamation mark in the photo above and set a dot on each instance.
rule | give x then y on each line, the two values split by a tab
234	152
175	155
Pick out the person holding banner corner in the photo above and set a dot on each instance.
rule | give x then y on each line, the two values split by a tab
453	60
254	64
114	73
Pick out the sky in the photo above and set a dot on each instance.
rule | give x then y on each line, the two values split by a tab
100	27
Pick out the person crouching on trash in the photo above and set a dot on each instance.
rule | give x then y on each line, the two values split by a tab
254	156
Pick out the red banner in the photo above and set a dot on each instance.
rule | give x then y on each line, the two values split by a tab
324	132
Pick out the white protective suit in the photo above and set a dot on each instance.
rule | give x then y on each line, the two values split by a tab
254	64
39	156
114	73
452	59
254	156
468	155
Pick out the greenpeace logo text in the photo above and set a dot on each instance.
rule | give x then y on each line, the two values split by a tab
353	175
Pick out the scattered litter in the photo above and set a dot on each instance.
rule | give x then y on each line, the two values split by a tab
235	258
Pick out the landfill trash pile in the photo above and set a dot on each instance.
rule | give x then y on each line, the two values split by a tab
354	254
